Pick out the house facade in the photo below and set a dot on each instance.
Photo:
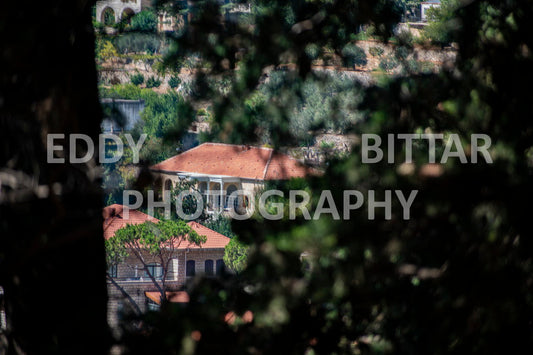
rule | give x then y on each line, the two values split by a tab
220	169
425	6
187	261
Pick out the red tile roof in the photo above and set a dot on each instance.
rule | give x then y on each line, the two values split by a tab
114	220
237	161
215	240
172	296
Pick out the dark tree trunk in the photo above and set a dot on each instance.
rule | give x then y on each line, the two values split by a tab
52	263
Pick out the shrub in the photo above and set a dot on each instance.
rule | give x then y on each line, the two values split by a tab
144	21
353	55
312	51
174	81
98	26
402	52
153	82
137	79
376	51
388	63
106	50
138	43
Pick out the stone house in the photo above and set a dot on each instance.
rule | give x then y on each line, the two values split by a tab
187	261
220	169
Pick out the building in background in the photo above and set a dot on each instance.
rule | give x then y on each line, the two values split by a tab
220	169
188	261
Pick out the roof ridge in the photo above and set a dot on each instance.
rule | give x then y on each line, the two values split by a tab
231	144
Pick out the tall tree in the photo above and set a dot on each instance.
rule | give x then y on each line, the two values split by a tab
52	262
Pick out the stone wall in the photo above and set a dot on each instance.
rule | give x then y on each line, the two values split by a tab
176	280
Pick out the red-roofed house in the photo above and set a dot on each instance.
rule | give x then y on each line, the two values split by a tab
187	261
221	169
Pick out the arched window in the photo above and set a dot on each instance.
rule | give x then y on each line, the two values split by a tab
108	16
168	185
155	270
231	189
127	14
190	268
220	266
209	268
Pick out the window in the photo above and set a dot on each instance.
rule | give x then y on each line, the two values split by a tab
220	266
215	191
155	270
113	271
229	191
209	268
190	268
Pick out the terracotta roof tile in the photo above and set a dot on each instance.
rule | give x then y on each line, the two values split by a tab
114	220
235	160
172	296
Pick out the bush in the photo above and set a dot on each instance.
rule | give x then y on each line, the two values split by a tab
98	26
376	51
402	52
144	21
353	55
105	50
312	51
388	63
174	81
153	82
138	43
137	79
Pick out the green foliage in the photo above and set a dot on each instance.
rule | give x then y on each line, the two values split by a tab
153	82
163	114
389	63
376	51
324	102
144	21
153	238
235	255
174	81
455	277
137	79
139	43
221	225
105	50
98	26
441	23
312	51
353	55
159	241
109	17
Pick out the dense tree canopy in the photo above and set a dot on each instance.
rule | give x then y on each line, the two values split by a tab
453	278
